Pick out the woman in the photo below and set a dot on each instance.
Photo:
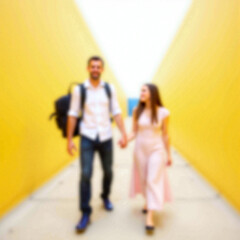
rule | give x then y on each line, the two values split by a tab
152	152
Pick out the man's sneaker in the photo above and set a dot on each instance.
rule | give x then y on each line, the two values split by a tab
107	204
83	223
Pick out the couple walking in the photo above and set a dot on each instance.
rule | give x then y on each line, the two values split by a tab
151	152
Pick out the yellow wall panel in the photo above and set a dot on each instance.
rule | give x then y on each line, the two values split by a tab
44	46
200	83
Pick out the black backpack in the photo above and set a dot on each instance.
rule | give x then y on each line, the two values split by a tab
62	105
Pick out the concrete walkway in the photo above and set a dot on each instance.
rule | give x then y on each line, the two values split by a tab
198	212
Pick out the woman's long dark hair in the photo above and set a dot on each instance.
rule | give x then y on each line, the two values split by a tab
155	101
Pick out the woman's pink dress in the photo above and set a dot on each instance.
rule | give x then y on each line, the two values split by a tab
149	176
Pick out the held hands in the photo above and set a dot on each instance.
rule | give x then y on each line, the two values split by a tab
123	141
70	147
169	161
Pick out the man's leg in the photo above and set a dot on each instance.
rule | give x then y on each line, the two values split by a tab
86	162
106	157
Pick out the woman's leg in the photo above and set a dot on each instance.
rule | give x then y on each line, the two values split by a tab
139	178
140	159
149	218
154	191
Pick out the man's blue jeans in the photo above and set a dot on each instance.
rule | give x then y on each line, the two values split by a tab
87	149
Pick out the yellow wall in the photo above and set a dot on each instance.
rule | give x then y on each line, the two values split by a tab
200	83
44	46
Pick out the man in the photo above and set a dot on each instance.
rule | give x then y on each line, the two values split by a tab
96	135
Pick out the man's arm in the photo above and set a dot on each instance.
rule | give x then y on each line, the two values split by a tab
120	124
73	114
71	124
116	112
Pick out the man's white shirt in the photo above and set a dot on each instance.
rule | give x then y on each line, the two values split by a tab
96	110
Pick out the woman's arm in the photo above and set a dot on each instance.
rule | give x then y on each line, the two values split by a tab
166	139
134	127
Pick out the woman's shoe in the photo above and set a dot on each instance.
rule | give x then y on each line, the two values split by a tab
149	229
144	211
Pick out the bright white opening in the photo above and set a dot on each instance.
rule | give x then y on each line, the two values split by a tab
134	35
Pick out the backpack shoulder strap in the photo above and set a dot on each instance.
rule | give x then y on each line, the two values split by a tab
108	90
83	96
109	94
